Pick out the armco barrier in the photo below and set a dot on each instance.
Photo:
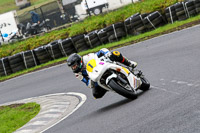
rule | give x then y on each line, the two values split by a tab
136	24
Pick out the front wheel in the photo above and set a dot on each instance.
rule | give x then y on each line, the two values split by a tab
121	90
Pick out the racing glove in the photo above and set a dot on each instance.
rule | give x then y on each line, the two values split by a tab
133	64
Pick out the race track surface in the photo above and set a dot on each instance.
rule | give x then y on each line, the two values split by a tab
172	105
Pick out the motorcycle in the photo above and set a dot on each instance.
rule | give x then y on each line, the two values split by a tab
34	28
113	76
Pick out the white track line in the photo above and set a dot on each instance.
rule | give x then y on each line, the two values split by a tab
83	99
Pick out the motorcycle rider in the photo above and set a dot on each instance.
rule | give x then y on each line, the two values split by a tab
32	28
78	66
35	17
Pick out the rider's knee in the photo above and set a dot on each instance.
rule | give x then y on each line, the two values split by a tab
97	96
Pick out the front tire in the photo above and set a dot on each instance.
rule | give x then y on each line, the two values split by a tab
122	91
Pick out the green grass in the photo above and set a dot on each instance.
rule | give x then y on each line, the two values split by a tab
13	117
125	41
9	5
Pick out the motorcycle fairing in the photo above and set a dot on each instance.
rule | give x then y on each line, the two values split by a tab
96	68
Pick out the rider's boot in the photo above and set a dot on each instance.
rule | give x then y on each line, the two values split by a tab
117	56
129	62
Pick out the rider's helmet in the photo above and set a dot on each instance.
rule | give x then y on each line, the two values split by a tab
75	62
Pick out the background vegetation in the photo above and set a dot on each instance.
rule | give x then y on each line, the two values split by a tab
89	24
9	5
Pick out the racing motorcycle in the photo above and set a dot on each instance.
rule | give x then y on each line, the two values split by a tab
113	76
34	28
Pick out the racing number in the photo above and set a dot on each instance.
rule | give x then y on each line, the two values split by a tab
90	65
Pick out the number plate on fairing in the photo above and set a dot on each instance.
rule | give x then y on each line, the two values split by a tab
91	65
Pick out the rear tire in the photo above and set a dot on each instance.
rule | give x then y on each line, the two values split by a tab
120	90
145	84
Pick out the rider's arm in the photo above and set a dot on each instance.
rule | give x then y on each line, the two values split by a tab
84	79
102	52
38	19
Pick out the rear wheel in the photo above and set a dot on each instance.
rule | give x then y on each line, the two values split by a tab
121	90
145	84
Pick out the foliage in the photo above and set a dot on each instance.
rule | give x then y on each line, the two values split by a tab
9	5
15	116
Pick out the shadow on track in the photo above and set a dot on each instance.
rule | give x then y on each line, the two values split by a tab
103	111
114	105
119	103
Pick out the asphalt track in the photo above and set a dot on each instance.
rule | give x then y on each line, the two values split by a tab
172	105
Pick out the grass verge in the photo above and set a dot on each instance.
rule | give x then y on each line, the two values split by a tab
15	116
125	41
9	5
